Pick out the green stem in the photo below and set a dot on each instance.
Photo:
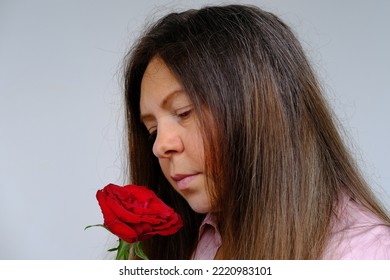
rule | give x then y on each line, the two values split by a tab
139	252
123	250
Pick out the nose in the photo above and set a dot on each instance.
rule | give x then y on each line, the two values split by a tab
168	141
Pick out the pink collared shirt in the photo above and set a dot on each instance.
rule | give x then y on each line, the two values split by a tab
356	234
209	239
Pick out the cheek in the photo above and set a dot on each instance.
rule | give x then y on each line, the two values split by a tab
164	165
195	147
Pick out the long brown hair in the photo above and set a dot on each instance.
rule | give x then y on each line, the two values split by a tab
276	158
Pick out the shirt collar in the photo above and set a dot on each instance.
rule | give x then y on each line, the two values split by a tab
209	239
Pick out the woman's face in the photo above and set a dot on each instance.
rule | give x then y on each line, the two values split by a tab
169	117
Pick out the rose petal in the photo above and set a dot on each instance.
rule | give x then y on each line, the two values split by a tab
123	214
106	210
123	231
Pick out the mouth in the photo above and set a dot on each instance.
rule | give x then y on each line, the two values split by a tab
183	180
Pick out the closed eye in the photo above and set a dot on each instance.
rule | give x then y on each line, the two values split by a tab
184	113
152	136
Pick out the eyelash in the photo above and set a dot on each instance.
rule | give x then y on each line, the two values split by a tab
184	115
152	136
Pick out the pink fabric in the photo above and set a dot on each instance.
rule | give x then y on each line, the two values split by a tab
356	234
209	239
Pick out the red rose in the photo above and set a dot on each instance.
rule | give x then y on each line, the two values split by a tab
134	213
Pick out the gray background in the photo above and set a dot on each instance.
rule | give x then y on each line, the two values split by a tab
61	124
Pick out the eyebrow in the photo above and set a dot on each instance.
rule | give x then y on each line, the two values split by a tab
168	99
165	103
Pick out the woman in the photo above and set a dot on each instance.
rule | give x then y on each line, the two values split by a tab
227	123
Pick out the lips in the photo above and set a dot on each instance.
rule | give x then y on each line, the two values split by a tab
183	180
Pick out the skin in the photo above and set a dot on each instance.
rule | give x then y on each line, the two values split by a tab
168	115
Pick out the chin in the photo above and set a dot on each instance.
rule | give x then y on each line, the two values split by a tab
200	208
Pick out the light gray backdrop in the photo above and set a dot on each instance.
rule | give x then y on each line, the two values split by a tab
61	125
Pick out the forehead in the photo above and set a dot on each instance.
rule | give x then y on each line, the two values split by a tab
158	82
